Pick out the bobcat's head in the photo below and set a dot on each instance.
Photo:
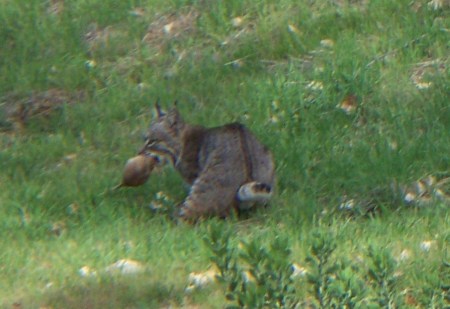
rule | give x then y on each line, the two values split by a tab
163	139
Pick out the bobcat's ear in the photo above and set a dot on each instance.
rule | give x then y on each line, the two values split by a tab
174	117
158	109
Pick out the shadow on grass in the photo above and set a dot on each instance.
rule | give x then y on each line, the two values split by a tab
114	292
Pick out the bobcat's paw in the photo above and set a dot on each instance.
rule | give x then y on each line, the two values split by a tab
185	213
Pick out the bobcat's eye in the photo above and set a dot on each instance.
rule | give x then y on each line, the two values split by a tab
148	145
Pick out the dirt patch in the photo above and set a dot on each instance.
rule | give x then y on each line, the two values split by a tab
103	38
16	110
175	25
424	72
55	7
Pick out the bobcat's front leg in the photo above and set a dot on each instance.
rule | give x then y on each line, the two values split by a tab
209	196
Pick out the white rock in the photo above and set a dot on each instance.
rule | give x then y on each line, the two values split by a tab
437	4
90	64
199	280
315	85
298	271
293	29
86	271
426	245
327	43
168	28
237	21
347	205
409	197
422	85
248	277
404	255
125	267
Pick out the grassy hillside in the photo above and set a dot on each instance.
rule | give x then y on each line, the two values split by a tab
352	97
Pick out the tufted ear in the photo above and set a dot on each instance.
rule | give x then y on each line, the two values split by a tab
158	109
174	117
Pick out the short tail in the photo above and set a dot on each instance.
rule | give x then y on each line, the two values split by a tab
254	192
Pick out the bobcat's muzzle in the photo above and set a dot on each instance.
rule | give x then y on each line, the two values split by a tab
158	152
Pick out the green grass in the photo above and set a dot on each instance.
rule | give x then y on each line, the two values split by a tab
274	73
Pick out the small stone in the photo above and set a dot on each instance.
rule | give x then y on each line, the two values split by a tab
422	85
327	43
237	21
437	4
125	267
168	28
90	64
409	197
393	145
404	255
142	86
347	205
426	245
298	271
274	119
247	276
420	187
315	85
200	279
70	157
293	29
137	12
86	271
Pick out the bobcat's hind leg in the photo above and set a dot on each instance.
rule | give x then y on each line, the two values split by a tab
254	192
208	197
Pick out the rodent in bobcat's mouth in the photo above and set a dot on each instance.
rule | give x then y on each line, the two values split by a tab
227	167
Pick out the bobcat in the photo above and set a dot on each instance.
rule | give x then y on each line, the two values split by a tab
227	167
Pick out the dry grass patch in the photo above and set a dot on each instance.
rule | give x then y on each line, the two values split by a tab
17	110
176	25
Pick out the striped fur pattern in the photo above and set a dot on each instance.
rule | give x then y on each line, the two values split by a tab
226	167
